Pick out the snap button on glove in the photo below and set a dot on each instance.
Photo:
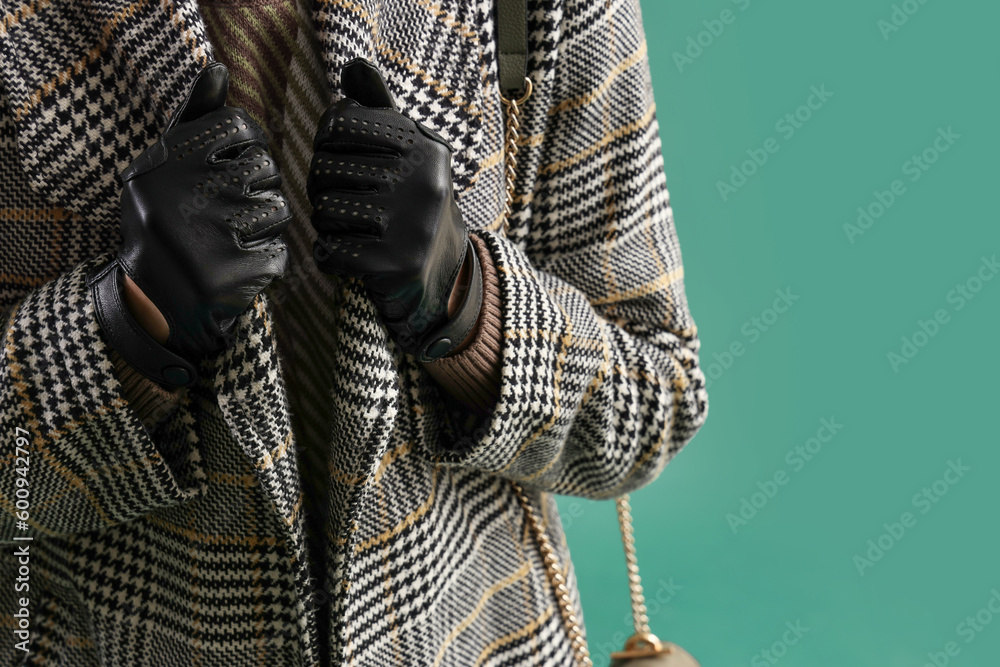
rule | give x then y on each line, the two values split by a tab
383	205
202	216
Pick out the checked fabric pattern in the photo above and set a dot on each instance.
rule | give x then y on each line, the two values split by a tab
187	543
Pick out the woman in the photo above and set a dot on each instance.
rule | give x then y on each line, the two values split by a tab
319	485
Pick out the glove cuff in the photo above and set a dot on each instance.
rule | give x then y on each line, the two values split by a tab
126	336
453	333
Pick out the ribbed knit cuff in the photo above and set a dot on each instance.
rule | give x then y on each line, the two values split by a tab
150	401
472	375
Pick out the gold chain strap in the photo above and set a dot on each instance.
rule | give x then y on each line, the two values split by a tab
511	135
639	616
643	646
557	579
643	643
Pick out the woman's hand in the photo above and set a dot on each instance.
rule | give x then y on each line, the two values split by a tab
145	312
202	218
384	206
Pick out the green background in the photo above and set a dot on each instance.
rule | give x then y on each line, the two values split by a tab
726	595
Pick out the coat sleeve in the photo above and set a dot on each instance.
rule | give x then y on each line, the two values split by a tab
76	455
600	383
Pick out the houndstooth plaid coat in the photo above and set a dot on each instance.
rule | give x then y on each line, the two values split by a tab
185	544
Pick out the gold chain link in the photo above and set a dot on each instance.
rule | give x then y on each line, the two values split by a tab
511	135
557	579
557	576
640	618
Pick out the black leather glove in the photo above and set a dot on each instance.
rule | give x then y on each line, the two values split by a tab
384	208
202	217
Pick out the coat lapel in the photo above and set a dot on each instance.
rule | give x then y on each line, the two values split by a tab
247	386
364	398
427	54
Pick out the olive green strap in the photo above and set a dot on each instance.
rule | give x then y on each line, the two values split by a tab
512	45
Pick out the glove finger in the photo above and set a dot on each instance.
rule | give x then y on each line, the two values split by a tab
339	212
271	262
346	254
363	81
350	128
256	169
266	216
327	121
351	173
242	130
218	134
250	179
